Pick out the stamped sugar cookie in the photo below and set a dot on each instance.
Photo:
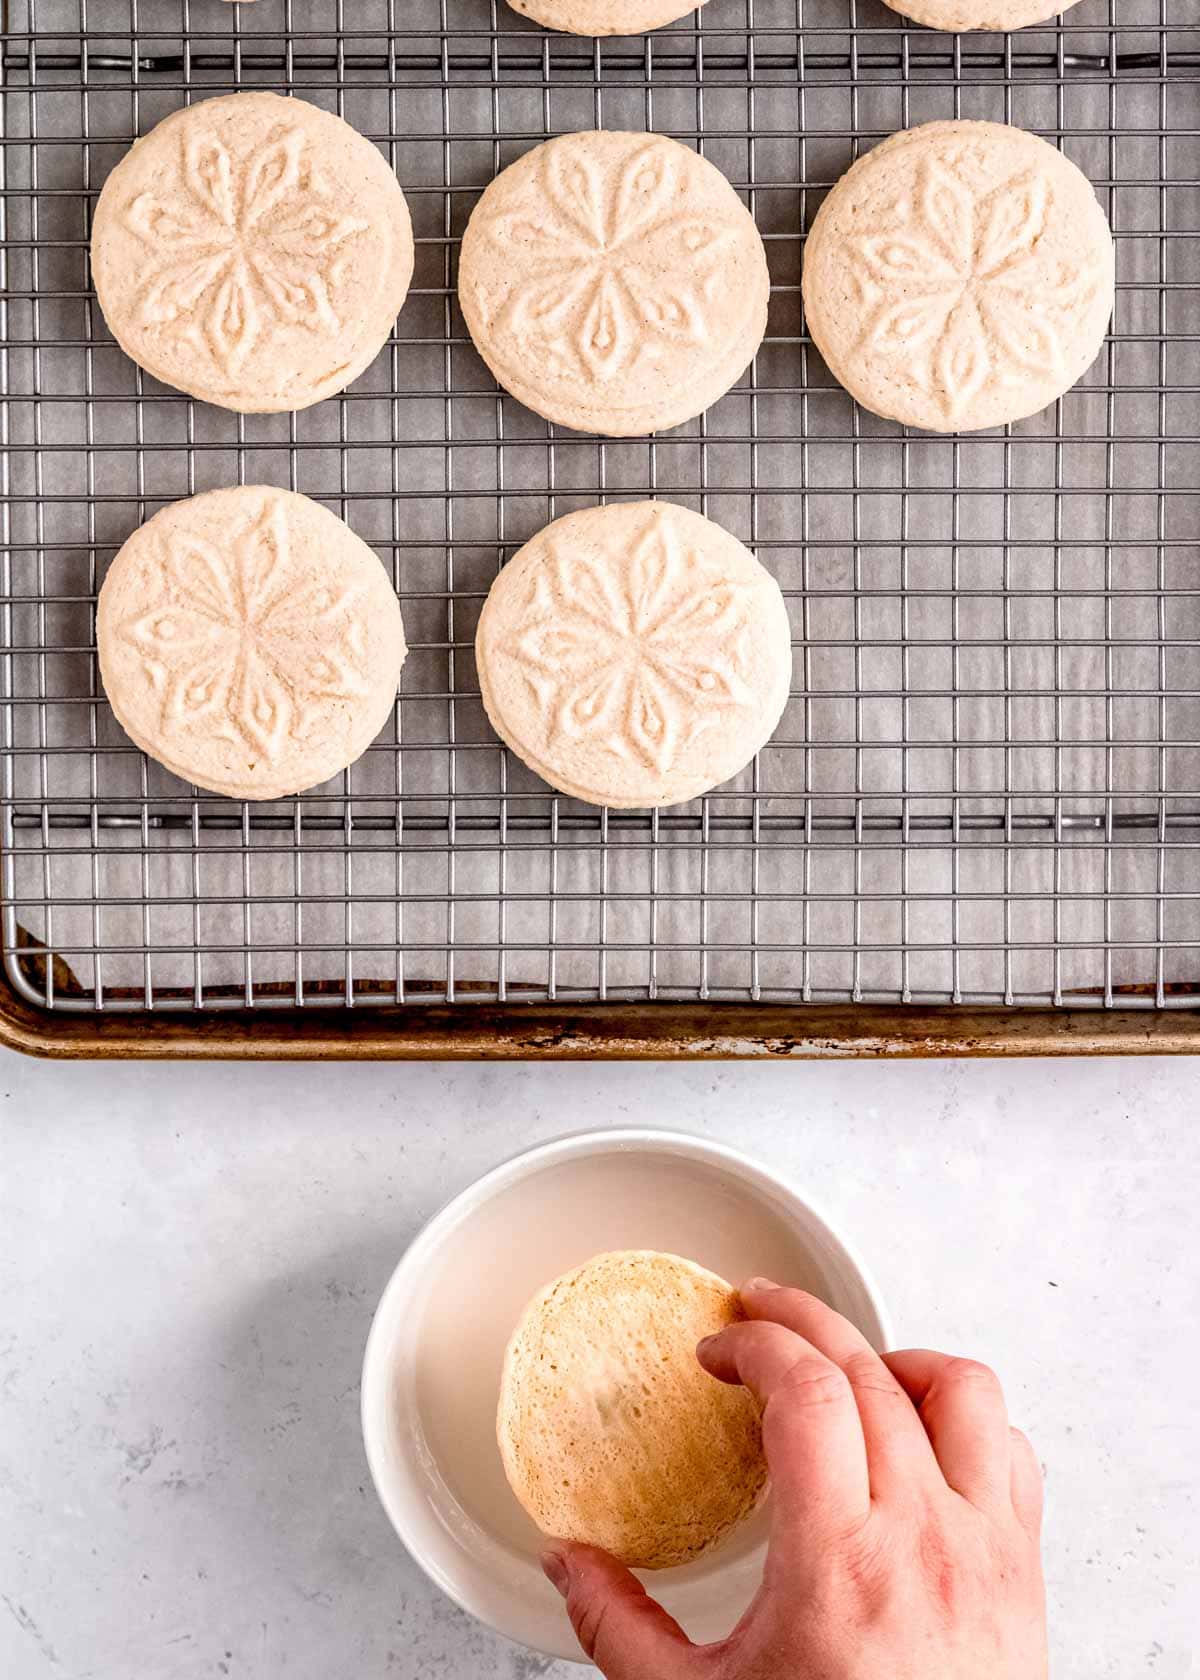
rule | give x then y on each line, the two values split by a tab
959	276
605	17
252	251
250	642
610	1431
962	15
634	655
614	282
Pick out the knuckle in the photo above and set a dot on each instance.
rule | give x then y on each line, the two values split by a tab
587	1618
970	1373
798	1297
863	1561
814	1382
866	1370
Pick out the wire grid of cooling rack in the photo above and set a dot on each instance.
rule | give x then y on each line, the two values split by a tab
986	787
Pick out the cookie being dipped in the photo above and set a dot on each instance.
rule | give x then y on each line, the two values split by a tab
610	1431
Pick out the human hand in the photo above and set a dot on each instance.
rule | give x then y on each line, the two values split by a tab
905	1523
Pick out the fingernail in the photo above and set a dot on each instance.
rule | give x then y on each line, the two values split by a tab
555	1571
759	1283
706	1341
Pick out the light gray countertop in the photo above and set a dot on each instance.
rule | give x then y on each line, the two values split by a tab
189	1259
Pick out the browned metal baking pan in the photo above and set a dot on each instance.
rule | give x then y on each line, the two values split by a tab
978	827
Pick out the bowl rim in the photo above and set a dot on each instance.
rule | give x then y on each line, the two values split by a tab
462	1202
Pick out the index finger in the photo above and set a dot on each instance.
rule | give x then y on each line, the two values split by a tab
812	1434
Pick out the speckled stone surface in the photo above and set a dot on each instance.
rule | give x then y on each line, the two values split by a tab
189	1260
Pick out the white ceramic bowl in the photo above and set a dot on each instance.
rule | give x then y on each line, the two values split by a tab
432	1368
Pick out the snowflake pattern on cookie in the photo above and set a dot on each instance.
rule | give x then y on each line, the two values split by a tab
228	644
639	652
618	267
255	239
956	279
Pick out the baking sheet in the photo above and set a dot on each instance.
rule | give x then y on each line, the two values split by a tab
987	784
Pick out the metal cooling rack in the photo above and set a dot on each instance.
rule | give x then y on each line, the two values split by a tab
986	788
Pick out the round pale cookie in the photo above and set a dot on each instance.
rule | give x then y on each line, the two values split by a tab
610	1431
634	655
614	282
250	642
605	17
252	251
959	276
963	15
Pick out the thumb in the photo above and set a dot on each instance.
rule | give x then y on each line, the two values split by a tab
621	1628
